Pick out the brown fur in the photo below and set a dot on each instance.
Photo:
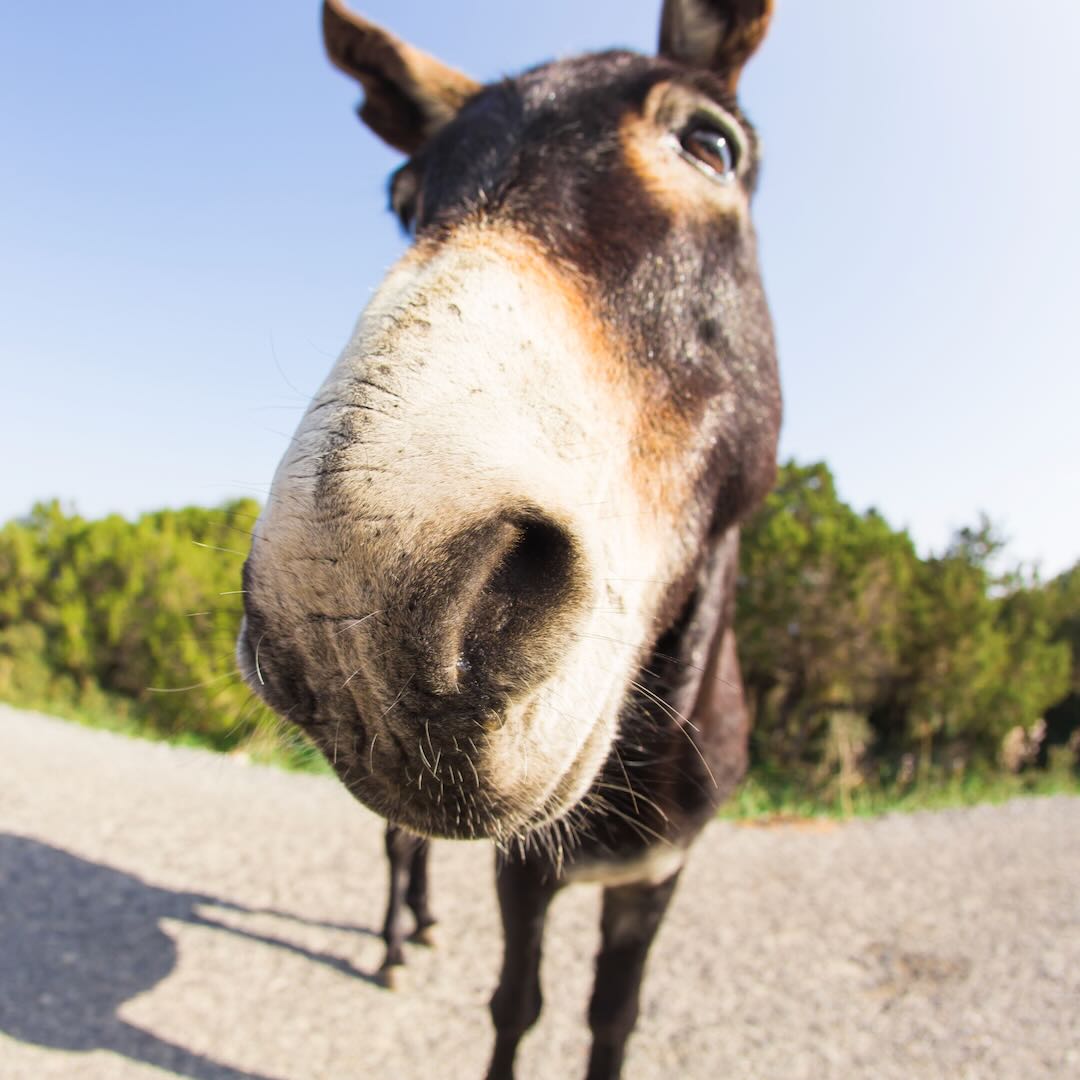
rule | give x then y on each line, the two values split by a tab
409	95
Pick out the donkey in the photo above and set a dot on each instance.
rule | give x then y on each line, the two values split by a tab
497	568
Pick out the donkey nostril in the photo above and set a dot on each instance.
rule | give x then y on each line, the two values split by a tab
537	567
492	621
521	600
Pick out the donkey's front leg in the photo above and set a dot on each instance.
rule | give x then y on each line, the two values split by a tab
525	890
407	854
416	896
632	915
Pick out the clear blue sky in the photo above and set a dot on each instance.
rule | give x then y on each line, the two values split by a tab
191	219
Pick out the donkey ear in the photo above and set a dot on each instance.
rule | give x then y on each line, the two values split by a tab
720	35
408	95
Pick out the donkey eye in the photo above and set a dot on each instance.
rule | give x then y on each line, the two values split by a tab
710	150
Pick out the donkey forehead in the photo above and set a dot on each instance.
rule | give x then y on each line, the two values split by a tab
573	154
547	140
570	98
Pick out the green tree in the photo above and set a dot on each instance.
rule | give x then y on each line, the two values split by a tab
820	614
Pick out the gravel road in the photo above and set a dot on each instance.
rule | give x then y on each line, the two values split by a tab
168	909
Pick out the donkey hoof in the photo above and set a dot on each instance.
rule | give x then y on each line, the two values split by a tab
427	936
390	976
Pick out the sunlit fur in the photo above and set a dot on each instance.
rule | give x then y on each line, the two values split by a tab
485	384
575	354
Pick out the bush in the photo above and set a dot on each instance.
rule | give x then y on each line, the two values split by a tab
142	612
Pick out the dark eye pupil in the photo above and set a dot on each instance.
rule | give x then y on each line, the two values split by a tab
711	148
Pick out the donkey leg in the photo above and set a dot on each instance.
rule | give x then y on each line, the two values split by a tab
400	848
417	895
631	916
525	891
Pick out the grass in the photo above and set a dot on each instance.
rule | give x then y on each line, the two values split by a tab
276	744
764	796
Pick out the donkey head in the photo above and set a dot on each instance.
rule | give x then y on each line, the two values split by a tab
561	396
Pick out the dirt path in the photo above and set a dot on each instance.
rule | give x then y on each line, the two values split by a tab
168	909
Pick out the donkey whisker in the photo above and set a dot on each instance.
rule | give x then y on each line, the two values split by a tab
258	669
213	547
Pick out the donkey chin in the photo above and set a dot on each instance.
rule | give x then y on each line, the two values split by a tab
452	708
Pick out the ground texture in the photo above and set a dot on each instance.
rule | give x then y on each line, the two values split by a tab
163	909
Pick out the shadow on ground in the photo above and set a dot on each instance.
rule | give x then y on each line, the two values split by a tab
78	939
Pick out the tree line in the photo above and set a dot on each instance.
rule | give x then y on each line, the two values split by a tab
864	663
